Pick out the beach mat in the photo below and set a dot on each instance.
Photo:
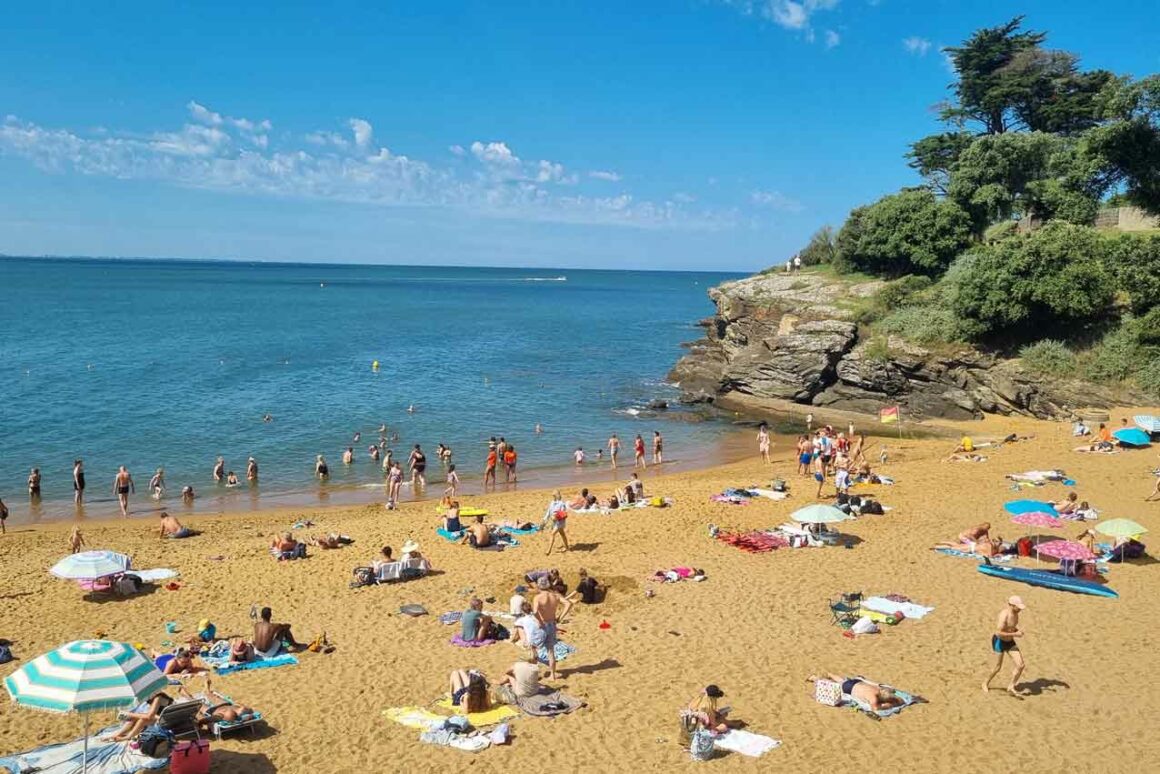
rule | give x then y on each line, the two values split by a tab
563	650
459	642
492	717
976	557
65	758
754	542
549	704
908	698
746	743
226	668
890	607
414	717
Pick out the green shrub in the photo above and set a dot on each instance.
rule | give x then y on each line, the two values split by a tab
1048	357
821	247
896	294
910	232
1000	230
1148	376
922	324
1134	259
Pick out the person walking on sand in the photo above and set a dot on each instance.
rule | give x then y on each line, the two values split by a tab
613	449
546	608
763	442
122	486
1003	641
219	470
556	520
658	448
418	466
452	482
78	481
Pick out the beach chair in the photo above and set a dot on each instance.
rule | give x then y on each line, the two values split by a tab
401	571
179	719
846	610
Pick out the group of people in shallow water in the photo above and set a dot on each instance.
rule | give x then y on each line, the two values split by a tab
613	445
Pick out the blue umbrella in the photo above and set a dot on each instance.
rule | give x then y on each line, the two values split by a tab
1017	507
1132	436
1147	423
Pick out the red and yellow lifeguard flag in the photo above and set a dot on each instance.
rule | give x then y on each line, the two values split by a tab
888	415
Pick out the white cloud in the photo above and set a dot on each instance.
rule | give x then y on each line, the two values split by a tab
916	45
606	175
775	200
235	156
457	150
684	198
363	132
832	39
793	15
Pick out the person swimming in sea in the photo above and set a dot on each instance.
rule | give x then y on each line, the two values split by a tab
34	484
321	469
231	479
348	456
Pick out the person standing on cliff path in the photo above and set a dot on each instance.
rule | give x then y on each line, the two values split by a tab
797	263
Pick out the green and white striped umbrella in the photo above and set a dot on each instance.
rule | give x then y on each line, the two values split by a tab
86	675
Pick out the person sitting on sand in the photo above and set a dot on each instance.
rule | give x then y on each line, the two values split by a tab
580	501
383	559
704	707
270	638
331	540
1155	490
474	626
182	663
1069	504
451	517
241	652
1088	539
285	545
172	528
469	691
876	697
524	676
411	554
527	631
136	722
478	535
588	590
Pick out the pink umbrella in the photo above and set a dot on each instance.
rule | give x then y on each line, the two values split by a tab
1066	549
1037	519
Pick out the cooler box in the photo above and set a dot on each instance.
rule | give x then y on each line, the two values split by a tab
190	758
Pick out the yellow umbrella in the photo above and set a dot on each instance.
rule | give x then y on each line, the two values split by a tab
1121	528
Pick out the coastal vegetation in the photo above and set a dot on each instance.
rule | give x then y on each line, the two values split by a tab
998	246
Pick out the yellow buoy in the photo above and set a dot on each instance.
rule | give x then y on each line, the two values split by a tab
375	365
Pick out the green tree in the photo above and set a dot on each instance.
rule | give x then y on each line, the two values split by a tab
1134	260
821	247
1126	149
1050	281
910	232
935	156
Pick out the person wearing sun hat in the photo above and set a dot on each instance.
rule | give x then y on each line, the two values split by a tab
206	631
410	551
1003	641
705	706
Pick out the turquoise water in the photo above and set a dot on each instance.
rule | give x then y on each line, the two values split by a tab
168	363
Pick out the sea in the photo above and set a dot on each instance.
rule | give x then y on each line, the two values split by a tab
168	363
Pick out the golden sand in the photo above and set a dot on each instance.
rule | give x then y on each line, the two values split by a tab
757	627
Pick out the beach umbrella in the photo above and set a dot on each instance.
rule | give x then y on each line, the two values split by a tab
89	565
820	514
84	676
1037	519
1147	423
1120	528
1132	436
1028	506
1066	549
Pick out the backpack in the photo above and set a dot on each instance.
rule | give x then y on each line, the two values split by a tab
154	742
701	745
5	654
127	585
363	576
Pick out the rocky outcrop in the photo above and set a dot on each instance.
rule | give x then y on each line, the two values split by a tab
793	337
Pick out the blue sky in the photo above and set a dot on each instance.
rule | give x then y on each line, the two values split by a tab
688	134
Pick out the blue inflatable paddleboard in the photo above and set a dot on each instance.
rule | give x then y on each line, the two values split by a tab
1048	580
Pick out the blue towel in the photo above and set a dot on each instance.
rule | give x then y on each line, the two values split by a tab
512	530
563	650
103	758
965	555
452	536
285	659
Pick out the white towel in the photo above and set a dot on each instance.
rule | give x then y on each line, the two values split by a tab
746	743
883	605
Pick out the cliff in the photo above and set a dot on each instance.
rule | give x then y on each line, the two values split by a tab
793	337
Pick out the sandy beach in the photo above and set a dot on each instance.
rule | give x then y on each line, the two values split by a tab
758	626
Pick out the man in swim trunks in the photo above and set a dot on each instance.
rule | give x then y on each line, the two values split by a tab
478	535
546	608
219	470
1003	641
613	448
269	638
172	528
877	697
122	486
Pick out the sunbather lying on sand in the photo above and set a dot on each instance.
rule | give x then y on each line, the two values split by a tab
877	697
331	540
218	708
469	691
976	540
965	457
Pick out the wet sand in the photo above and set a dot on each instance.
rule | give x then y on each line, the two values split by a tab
757	627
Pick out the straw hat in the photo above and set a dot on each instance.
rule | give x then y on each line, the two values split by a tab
410	547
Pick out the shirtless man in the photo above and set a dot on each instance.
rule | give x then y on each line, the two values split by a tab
478	534
252	470
219	470
348	456
1003	640
172	528
613	448
546	607
269	637
974	535
877	697
122	486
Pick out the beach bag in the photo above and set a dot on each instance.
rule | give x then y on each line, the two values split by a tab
701	745
363	576
778	485
190	758
864	625
1023	546
154	742
5	654
872	507
127	585
827	692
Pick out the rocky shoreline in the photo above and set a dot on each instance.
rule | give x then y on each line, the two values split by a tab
793	337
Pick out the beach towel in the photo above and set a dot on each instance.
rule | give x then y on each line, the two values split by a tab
445	737
770	494
729	500
155	575
65	758
415	717
754	542
223	667
452	536
967	555
563	650
548	705
907	698
459	642
889	607
746	743
491	717
513	531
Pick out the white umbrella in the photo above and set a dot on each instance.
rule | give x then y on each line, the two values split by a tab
84	676
89	565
